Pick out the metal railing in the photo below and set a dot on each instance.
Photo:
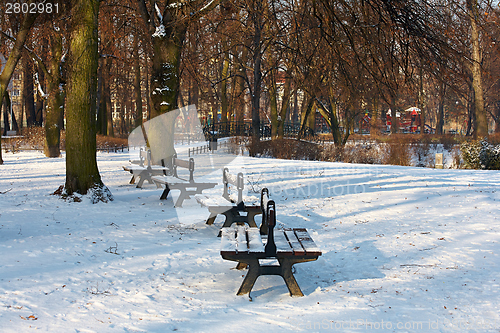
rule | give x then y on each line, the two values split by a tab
234	128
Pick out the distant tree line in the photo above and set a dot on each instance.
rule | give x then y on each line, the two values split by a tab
254	59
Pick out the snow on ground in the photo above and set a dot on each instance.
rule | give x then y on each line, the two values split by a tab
404	250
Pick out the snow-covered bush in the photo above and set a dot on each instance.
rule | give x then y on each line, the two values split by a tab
480	155
489	156
470	154
364	152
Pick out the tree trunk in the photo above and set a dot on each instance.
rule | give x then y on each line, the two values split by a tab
82	173
394	118
28	92
167	43
40	99
307	106
239	95
256	95
101	127
440	115
497	116
285	105
257	71
421	102
223	90
334	121
106	97
137	83
165	83
481	121
273	103
165	76
14	57
55	101
6	114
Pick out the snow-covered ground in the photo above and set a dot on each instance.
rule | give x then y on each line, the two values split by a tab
404	250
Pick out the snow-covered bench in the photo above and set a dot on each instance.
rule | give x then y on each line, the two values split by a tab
143	169
232	207
287	247
172	181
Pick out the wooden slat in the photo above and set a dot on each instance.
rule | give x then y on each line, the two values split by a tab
254	240
282	245
181	163
228	240
231	179
168	180
213	201
294	242
307	242
241	239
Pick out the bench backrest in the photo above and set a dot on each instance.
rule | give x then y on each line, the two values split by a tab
173	163
270	220
264	200
178	163
229	179
145	156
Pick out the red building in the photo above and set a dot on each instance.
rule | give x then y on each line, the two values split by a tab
408	120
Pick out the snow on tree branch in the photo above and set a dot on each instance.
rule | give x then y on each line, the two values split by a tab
160	31
158	12
209	6
39	87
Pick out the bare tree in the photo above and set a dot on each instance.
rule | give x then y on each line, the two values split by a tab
167	25
14	56
481	122
82	173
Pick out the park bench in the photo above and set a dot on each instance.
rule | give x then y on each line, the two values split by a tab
271	255
233	208
173	181
143	169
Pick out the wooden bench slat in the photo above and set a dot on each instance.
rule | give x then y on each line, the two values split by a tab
254	240
167	180
137	168
294	242
282	245
307	242
207	201
181	163
228	241
241	239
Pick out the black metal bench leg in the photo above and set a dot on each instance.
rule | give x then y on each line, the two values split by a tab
241	265
165	193
230	217
184	195
211	219
251	219
141	181
250	278
286	273
142	177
